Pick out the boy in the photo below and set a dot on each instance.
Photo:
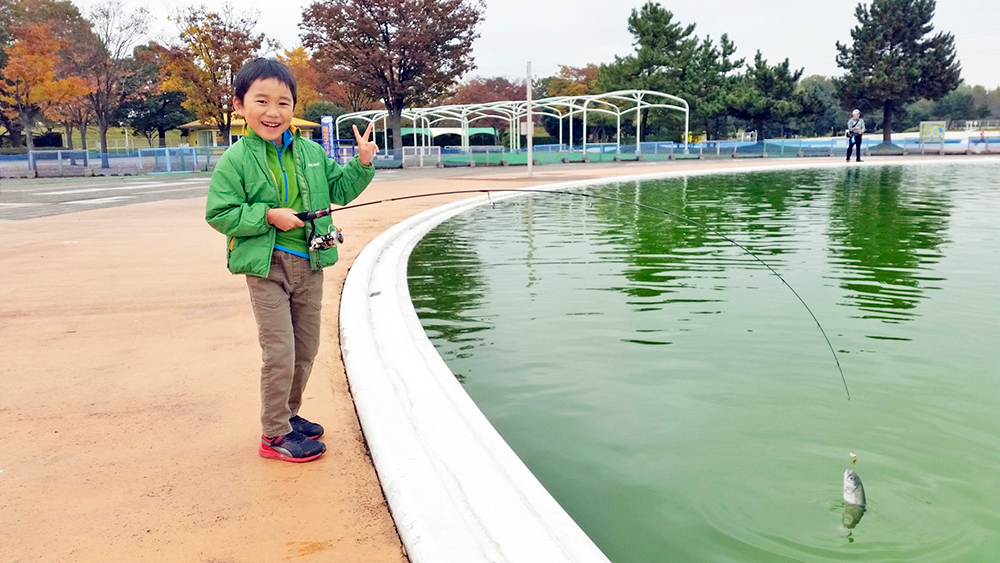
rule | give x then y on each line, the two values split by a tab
258	186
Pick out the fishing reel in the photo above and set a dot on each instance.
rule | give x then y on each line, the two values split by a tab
331	239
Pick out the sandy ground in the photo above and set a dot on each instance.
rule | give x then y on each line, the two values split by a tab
129	392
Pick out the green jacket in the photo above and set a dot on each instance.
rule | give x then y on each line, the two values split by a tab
243	189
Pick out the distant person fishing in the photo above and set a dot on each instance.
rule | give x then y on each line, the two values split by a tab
855	131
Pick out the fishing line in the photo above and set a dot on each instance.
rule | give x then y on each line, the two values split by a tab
312	214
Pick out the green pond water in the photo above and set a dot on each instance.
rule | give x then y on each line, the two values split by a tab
679	401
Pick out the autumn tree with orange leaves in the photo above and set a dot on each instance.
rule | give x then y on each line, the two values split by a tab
214	47
482	90
67	25
299	62
29	83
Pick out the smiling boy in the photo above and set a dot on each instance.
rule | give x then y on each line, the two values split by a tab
257	187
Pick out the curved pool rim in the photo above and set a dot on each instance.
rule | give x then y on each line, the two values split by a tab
455	489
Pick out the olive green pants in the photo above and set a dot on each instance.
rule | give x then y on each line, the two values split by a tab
287	305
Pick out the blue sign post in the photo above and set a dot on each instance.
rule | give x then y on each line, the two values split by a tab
326	126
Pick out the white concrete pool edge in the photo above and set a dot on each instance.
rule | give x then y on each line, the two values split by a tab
455	489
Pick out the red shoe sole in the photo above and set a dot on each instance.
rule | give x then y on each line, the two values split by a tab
269	453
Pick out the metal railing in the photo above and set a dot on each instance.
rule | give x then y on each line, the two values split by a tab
421	156
168	160
59	162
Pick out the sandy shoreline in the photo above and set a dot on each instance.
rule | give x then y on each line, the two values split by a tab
129	390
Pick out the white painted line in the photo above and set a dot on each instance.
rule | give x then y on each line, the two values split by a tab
98	200
120	188
205	187
18	204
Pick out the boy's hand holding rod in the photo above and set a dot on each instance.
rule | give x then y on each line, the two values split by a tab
285	219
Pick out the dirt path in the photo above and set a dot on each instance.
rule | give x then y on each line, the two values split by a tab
129	392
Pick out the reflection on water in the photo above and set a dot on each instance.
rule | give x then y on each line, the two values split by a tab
887	236
445	297
852	515
680	403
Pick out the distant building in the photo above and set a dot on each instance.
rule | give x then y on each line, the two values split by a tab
207	134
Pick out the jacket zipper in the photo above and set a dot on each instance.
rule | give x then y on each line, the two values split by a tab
283	172
304	194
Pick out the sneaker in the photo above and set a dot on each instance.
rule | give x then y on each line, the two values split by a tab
293	446
310	429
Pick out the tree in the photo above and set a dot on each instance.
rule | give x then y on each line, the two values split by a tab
150	111
30	82
482	90
989	99
117	31
400	51
960	104
574	81
72	113
713	75
894	60
766	94
664	50
316	111
349	96
306	77
66	24
821	110
669	58
214	47
155	115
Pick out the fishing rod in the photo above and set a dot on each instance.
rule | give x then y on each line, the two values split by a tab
310	215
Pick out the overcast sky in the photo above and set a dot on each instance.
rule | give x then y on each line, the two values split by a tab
576	32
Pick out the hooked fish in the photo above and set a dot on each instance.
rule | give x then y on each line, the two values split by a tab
854	491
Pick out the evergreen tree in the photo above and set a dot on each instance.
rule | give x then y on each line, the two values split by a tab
960	104
766	94
894	60
669	58
821	108
317	110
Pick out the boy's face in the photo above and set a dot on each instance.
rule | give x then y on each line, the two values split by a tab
267	108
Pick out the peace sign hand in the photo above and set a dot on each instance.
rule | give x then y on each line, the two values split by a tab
366	148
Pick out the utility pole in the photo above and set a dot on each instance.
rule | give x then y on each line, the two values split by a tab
531	124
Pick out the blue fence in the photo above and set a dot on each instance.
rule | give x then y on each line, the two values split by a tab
188	159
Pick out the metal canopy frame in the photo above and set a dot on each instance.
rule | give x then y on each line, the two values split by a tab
616	104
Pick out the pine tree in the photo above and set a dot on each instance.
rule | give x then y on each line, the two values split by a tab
895	60
766	94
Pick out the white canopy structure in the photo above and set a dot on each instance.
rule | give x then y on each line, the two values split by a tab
614	104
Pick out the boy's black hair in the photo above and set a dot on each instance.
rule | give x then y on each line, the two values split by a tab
262	69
